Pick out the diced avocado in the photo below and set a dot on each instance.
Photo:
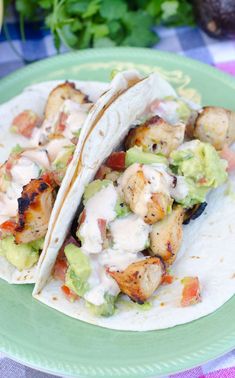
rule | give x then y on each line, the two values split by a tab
202	168
22	256
79	270
121	209
63	158
106	309
37	244
137	155
17	150
94	187
183	111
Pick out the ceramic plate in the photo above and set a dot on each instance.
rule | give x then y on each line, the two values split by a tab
47	340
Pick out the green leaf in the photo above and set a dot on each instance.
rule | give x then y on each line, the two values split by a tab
56	40
76	25
69	37
27	8
85	36
113	9
139	26
46	4
99	31
76	7
104	42
141	38
92	9
154	8
169	9
140	19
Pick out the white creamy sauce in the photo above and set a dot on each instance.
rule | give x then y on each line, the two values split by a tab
129	234
118	260
100	206
167	110
39	157
106	285
77	114
55	146
22	172
178	189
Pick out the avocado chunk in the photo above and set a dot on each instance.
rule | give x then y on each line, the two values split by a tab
22	256
183	111
121	209
79	270
94	187
137	155
202	168
106	309
63	157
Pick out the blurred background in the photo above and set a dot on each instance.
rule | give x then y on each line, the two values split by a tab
36	29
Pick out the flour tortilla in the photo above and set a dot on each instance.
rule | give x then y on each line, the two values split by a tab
34	98
207	250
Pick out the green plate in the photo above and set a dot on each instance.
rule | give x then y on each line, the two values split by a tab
45	339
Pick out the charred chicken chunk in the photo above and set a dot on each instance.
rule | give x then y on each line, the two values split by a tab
34	211
156	135
166	236
214	125
62	92
140	279
137	188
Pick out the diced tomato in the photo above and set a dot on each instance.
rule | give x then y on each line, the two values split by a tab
8	226
69	293
61	126
202	181
8	165
102	172
167	279
25	122
116	161
191	291
60	269
228	155
102	227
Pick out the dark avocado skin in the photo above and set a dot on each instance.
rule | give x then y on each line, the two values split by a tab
216	17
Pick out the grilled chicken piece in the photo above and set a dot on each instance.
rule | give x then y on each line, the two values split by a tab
62	92
156	136
214	125
135	193
140	279
34	211
166	236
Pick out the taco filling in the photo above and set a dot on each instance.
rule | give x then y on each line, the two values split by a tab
31	177
130	226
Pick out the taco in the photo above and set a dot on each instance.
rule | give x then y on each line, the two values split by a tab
47	124
151	243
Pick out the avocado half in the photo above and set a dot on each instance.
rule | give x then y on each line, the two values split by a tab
216	17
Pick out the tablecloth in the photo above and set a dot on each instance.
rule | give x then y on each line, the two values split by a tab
190	42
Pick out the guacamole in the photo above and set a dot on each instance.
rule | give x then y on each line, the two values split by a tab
202	168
